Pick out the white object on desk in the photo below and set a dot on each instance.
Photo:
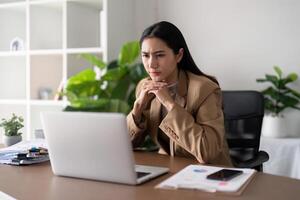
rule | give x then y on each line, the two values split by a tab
4	196
25	145
194	177
8	153
284	156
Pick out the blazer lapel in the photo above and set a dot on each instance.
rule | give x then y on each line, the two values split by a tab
155	107
182	89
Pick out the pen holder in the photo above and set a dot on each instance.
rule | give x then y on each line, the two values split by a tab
10	140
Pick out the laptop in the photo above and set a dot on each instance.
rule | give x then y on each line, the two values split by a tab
93	146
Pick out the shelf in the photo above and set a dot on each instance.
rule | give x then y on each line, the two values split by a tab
11	3
46	23
46	76
51	51
84	50
12	31
83	19
75	64
40	46
97	4
48	103
12	53
39	2
35	114
13	77
13	102
46	52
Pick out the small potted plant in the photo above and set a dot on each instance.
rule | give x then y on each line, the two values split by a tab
11	127
278	97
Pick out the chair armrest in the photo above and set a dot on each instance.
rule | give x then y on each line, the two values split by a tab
260	158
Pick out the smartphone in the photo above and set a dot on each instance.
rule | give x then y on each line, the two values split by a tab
224	174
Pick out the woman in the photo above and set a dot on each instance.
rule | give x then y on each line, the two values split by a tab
178	105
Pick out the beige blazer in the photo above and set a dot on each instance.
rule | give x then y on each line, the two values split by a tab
195	125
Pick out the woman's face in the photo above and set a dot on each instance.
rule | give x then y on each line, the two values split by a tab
159	60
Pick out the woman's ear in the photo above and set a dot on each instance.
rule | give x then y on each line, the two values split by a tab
179	55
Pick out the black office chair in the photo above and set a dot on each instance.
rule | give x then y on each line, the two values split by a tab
243	113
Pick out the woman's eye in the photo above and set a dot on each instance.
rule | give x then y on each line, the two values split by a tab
160	55
145	55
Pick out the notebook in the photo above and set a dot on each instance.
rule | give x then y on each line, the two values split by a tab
93	146
195	177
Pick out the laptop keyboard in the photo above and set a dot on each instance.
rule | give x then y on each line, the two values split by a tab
141	174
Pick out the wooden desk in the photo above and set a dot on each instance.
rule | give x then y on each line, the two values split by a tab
38	182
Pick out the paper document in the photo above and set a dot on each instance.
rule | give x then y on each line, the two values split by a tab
20	153
194	177
4	196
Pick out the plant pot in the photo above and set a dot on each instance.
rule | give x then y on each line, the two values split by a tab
274	126
10	140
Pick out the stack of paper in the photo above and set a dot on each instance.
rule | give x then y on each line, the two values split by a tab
194	177
25	152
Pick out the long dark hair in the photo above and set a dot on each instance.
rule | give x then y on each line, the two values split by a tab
174	39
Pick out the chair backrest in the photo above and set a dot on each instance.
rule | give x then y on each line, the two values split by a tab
243	113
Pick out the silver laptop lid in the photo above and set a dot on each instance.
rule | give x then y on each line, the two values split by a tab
90	145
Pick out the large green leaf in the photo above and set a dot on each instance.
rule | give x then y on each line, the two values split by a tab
261	80
129	52
269	105
270	91
88	103
94	60
293	92
292	77
113	91
85	75
278	71
99	105
281	84
273	79
83	84
288	101
121	89
113	64
84	89
115	74
137	73
117	105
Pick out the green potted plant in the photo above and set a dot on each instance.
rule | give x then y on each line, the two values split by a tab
278	97
11	127
109	88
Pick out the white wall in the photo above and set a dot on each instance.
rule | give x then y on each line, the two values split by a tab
238	40
146	13
235	40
